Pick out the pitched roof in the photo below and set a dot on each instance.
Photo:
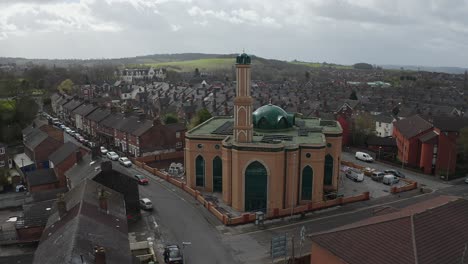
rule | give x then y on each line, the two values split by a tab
143	127
72	104
384	118
35	214
412	126
450	123
434	231
34	138
176	127
113	120
98	115
41	176
63	152
84	109
72	238
428	136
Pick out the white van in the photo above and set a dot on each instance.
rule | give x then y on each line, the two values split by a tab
355	174
364	157
390	179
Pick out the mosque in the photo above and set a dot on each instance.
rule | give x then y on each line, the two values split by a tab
265	160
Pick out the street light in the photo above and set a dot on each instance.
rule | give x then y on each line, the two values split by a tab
380	147
184	244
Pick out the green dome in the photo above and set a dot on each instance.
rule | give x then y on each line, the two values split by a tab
272	117
243	59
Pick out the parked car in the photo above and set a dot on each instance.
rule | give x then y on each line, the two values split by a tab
395	172
173	254
354	174
364	157
68	130
81	139
377	176
112	155
146	204
90	144
125	162
390	179
141	179
103	150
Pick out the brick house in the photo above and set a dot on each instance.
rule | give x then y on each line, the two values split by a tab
38	145
5	158
68	108
432	231
79	116
407	132
41	179
32	221
63	159
106	134
91	121
87	225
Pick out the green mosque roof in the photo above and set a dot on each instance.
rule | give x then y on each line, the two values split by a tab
243	59
269	117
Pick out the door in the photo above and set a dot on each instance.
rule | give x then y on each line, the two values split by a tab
200	171
307	181
217	175
256	185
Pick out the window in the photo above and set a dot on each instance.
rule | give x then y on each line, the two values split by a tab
177	134
308	155
178	145
2	163
200	146
216	146
2	150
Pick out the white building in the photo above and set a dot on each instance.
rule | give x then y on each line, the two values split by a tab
130	75
384	125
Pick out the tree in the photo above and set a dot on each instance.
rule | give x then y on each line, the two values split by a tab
201	116
170	118
65	86
197	72
363	127
353	95
362	66
307	75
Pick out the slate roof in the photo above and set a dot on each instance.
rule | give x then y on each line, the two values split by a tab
84	109
63	152
35	214
113	121
72	238
45	195
450	124
176	127
412	126
143	127
72	104
17	259
98	115
41	176
34	138
384	118
434	231
428	136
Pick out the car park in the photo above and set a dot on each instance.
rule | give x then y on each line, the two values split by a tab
141	179
390	179
395	172
173	254
124	161
112	155
354	174
103	150
377	176
146	204
363	156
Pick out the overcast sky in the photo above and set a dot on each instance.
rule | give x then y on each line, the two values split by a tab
411	32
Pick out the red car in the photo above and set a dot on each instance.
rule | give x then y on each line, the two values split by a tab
141	179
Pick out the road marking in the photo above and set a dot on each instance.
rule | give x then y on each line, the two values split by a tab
330	216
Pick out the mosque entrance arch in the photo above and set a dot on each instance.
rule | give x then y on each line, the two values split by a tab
256	187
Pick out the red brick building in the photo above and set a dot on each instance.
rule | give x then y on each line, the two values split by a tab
41	179
431	144
38	145
407	133
63	159
433	231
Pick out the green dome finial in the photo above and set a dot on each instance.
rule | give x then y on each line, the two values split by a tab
243	58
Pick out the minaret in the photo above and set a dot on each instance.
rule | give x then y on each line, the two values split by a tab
243	127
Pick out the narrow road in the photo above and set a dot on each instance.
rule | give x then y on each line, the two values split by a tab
178	218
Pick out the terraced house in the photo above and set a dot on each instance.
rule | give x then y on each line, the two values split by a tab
263	160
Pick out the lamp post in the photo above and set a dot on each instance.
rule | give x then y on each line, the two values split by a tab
380	147
184	244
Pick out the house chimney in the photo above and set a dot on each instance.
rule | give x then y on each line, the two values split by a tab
61	205
99	255
102	195
78	156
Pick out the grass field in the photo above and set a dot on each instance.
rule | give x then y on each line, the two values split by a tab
319	65
201	64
